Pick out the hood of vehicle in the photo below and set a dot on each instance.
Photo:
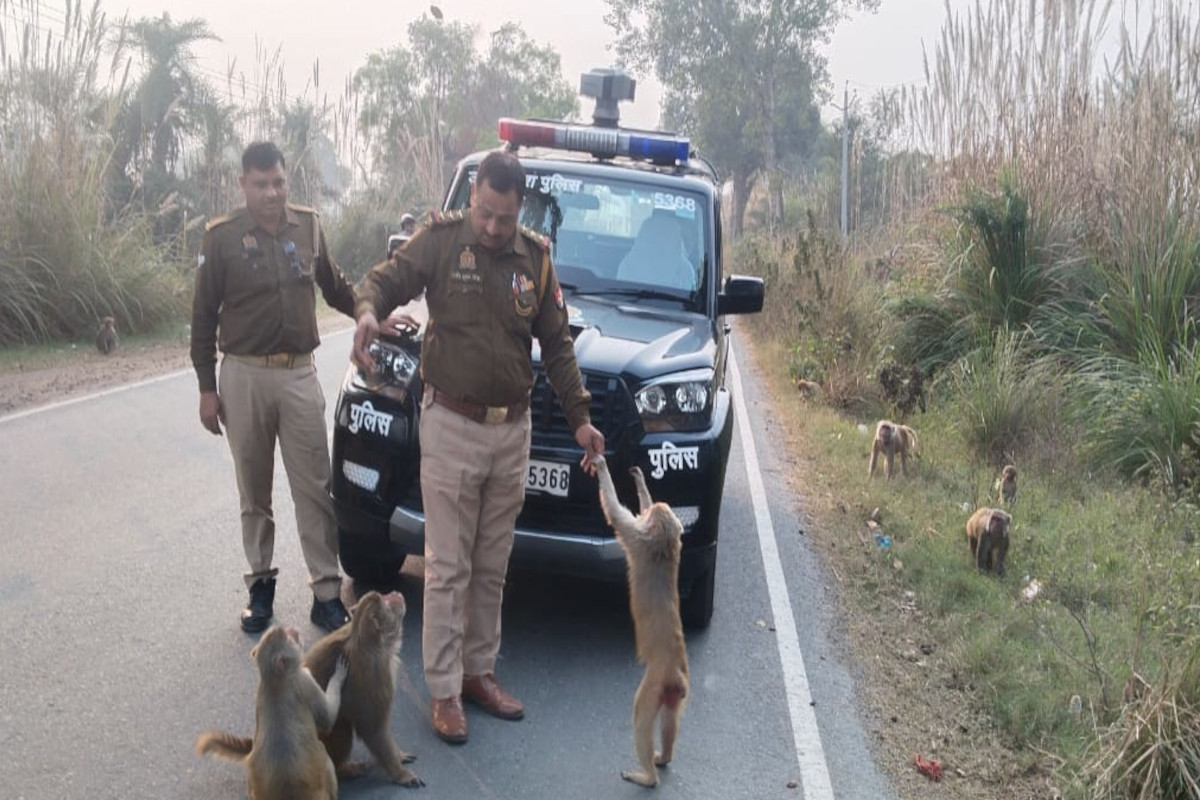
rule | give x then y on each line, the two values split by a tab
621	337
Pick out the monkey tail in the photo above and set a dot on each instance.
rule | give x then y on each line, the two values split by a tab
220	744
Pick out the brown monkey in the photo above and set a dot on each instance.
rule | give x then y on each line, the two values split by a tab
371	643
651	542
807	388
892	439
285	760
987	535
106	337
1006	485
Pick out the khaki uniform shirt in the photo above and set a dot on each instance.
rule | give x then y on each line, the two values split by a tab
258	290
485	307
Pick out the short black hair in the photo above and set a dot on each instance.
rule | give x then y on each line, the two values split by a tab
262	156
502	172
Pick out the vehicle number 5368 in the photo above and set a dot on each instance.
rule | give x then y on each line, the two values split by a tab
548	477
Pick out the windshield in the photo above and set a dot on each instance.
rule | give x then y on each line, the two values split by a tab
611	235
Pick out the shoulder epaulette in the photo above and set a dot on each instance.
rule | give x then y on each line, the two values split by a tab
304	209
221	220
538	238
435	218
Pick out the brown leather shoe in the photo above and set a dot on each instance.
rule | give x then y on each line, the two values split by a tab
449	721
483	691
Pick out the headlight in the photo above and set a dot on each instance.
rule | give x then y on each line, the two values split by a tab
679	402
395	371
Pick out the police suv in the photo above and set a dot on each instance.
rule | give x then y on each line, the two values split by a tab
634	223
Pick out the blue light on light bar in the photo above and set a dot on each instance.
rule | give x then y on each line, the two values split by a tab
600	142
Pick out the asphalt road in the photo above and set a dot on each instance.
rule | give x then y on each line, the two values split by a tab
120	588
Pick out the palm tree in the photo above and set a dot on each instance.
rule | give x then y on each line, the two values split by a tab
160	111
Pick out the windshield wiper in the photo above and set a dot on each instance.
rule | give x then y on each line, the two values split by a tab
637	294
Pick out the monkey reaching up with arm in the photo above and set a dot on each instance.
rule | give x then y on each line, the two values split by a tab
651	541
371	643
285	760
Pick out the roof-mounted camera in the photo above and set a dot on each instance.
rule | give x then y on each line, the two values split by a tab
609	87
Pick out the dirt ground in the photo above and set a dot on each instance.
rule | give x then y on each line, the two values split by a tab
911	696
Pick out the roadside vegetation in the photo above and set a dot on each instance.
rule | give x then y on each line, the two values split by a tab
117	146
1039	284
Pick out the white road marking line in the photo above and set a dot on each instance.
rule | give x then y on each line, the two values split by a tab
29	412
814	772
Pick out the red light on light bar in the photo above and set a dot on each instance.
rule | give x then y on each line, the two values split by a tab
527	133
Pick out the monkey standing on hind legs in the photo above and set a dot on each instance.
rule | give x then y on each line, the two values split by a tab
106	338
651	541
371	643
892	439
285	760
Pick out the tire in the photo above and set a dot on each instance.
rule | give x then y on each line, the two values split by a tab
695	610
373	569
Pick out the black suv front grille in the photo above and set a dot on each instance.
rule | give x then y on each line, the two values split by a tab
611	409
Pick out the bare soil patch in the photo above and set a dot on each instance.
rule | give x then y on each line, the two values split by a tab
75	370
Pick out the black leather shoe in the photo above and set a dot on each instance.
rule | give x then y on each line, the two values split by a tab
258	612
329	614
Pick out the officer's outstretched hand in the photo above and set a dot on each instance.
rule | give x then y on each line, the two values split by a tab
592	441
366	332
211	413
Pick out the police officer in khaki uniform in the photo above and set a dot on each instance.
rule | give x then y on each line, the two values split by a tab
490	289
256	298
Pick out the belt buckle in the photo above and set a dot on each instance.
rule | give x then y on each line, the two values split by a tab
495	415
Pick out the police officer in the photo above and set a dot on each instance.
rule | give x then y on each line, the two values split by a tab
256	298
490	289
408	224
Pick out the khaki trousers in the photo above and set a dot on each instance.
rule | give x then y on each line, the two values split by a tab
262	404
473	488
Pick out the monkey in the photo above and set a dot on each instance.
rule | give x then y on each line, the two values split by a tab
807	389
987	536
285	759
890	439
106	338
371	643
1006	485
651	541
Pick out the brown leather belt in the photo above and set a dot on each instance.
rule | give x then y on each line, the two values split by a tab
478	412
280	360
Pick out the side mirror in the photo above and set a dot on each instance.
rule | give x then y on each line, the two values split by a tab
740	295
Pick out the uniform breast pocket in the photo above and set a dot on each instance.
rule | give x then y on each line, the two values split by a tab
525	304
300	264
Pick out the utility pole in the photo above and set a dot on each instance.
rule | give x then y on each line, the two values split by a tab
846	161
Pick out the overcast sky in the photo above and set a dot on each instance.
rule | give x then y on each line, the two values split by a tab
870	51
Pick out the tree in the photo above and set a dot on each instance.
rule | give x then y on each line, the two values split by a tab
423	107
159	114
756	56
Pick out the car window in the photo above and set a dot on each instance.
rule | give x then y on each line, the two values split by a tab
614	233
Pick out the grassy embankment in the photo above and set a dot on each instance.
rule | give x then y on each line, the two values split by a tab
1044	282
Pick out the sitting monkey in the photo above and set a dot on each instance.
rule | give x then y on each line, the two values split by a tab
1006	486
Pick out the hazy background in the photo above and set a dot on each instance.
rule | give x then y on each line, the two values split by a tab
871	51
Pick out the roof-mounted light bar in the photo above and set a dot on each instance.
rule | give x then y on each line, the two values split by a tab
600	142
